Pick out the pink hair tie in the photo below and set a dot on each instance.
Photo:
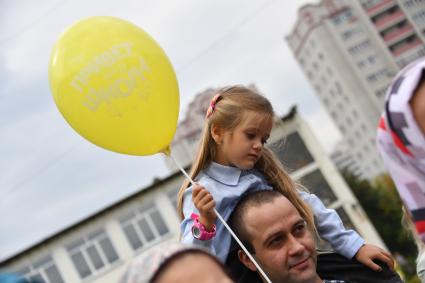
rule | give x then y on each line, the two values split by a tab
213	102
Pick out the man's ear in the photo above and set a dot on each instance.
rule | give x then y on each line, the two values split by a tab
246	261
217	133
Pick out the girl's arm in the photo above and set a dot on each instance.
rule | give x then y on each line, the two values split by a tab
330	227
188	221
345	242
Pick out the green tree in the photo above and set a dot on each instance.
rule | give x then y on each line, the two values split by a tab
382	204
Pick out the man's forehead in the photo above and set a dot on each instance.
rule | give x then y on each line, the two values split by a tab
278	214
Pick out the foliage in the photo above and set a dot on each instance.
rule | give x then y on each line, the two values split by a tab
382	204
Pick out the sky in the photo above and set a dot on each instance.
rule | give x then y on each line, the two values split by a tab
51	177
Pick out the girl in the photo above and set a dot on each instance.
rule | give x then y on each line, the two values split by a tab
232	160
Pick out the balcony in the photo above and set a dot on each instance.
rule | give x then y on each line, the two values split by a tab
388	20
410	56
381	6
398	34
407	47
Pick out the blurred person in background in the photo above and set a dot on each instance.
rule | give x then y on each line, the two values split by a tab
177	263
401	142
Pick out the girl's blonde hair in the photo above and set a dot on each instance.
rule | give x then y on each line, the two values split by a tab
228	112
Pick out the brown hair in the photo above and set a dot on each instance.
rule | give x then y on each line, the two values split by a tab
228	113
254	199
176	257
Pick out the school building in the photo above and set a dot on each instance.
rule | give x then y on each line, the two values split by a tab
100	247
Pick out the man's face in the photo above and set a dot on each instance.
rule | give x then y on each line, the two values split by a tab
284	247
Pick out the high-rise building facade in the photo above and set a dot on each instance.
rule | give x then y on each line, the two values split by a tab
349	52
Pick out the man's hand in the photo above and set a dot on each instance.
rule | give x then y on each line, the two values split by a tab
367	253
205	203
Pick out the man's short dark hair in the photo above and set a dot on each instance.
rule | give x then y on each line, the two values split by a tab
248	200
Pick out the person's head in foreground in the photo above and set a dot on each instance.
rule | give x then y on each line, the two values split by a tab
191	265
175	262
279	239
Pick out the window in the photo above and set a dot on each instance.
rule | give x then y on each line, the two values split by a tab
316	183
172	197
379	75
338	87
342	17
359	47
366	148
357	134
42	270
371	59
376	163
370	3
93	253
143	226
349	33
345	219
325	101
381	92
349	121
310	74
292	152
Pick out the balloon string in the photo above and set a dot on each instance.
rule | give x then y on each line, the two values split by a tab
224	223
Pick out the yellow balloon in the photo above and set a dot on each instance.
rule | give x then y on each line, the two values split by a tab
115	86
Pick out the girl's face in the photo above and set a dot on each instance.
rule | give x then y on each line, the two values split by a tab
242	146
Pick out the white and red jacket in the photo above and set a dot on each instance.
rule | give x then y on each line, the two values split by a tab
402	143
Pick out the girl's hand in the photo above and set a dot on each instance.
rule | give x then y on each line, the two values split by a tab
205	203
367	253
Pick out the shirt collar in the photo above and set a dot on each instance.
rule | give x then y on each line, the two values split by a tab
224	174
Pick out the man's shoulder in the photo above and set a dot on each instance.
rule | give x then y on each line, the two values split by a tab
335	267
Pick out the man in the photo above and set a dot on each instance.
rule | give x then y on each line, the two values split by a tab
281	241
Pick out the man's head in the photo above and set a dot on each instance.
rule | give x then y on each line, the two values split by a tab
277	236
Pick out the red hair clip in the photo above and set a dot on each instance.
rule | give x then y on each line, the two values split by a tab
213	102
